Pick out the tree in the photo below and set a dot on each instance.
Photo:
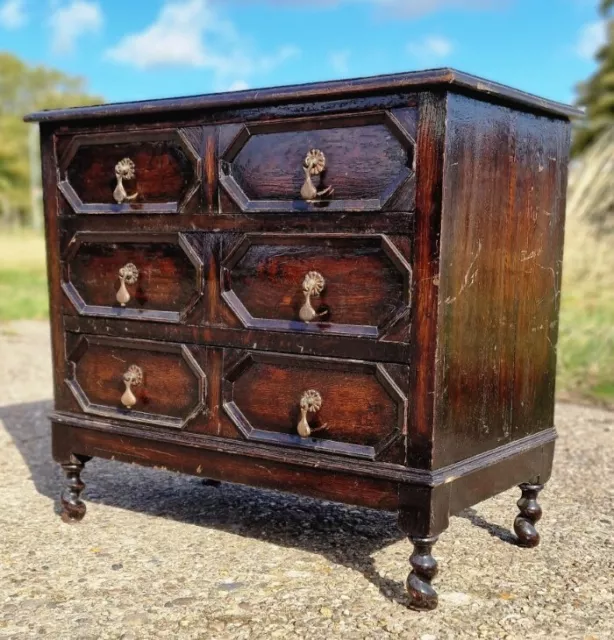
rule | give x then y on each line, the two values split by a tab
25	88
596	95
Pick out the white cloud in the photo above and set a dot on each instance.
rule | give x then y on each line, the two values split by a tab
70	22
191	33
431	48
591	38
175	38
238	85
13	14
340	62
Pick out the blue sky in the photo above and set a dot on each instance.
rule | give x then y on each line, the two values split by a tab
138	49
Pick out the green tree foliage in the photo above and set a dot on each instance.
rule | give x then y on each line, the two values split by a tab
596	95
23	89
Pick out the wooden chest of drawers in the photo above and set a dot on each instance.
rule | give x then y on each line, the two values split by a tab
346	290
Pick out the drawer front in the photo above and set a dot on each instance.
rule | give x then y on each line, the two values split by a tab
319	283
361	162
160	384
129	172
133	276
347	407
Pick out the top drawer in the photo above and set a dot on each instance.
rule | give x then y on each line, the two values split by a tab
155	171
357	162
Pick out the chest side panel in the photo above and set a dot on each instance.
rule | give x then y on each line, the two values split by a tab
505	178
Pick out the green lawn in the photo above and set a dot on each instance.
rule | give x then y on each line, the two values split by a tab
586	337
23	277
586	345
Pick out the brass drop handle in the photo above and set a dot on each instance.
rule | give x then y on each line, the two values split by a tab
124	170
311	401
313	165
128	274
132	378
313	285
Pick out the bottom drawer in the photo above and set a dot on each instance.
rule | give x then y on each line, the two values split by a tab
155	383
351	407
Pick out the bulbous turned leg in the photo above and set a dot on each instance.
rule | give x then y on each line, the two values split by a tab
73	508
424	566
530	513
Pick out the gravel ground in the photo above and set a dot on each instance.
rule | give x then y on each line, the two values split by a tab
160	555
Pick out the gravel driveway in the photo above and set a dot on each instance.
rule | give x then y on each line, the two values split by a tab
161	555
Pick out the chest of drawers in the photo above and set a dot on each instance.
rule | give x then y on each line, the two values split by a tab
346	290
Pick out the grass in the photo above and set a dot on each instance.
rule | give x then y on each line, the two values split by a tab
586	347
586	334
23	277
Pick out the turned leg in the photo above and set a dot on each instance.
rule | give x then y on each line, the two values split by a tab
424	566
530	513
73	508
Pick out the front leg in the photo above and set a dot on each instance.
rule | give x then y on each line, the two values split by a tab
530	513
73	508
423	517
424	569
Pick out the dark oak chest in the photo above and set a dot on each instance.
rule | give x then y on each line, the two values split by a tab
346	290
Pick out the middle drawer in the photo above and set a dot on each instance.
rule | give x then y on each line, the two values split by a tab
133	276
357	285
322	283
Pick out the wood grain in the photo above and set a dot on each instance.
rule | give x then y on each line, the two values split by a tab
54	275
501	252
308	344
173	384
444	79
162	171
368	158
366	282
425	267
342	487
169	271
361	403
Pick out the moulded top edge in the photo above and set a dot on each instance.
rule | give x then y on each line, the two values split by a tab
356	87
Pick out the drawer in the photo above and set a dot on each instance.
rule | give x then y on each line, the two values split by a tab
129	172
319	283
159	384
346	407
155	277
359	162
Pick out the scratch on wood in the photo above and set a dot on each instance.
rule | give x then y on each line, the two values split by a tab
524	256
470	277
143	449
259	466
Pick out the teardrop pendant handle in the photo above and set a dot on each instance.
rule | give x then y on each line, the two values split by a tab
313	165
128	274
313	285
132	377
124	170
311	401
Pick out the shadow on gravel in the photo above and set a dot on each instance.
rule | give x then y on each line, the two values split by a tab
494	529
345	535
